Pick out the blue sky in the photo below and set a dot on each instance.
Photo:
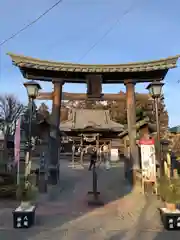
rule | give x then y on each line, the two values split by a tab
151	30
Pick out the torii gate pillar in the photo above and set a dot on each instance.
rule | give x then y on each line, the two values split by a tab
131	120
54	132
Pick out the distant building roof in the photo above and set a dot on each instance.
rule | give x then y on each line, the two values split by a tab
84	119
175	129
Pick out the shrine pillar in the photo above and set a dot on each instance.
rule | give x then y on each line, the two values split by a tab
55	132
131	121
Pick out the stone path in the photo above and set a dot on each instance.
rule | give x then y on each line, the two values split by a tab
65	215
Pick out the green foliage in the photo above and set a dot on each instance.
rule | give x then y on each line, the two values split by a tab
169	190
43	110
140	113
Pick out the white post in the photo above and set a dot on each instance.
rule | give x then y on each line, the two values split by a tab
27	165
73	152
81	157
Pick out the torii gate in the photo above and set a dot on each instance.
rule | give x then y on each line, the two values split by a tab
94	76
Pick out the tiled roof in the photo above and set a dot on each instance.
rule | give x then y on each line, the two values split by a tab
176	145
34	63
175	129
90	118
139	124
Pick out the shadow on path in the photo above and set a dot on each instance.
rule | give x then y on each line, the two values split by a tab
149	225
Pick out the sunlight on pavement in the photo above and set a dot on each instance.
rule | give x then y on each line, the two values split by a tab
118	216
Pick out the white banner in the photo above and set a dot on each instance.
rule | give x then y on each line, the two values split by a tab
114	155
148	159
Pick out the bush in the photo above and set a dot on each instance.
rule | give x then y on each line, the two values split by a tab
26	192
169	190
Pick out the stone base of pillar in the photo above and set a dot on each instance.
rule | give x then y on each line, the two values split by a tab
131	176
42	183
134	177
54	176
162	170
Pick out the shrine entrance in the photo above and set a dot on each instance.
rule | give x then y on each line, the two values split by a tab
94	76
90	139
89	127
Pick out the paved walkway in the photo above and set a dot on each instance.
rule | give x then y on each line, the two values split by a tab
65	215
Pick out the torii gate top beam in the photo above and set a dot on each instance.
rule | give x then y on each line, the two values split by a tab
149	71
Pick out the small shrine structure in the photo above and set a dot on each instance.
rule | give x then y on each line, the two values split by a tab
85	125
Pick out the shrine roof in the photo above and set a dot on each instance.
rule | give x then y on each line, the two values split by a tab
48	124
33	68
175	129
88	119
139	124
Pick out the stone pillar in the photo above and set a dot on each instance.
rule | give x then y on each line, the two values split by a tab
54	132
42	181
131	119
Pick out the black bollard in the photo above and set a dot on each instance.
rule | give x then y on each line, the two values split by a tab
95	192
94	201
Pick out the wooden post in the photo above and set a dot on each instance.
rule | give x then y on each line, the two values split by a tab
131	118
54	132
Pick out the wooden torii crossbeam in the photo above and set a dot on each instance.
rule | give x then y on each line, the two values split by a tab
83	96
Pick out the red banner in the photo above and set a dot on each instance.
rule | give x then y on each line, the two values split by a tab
146	141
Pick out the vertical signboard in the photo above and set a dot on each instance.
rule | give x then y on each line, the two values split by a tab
114	155
148	159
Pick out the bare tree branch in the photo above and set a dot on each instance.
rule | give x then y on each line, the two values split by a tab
10	110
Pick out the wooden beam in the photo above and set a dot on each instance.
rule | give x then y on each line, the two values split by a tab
83	96
45	96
